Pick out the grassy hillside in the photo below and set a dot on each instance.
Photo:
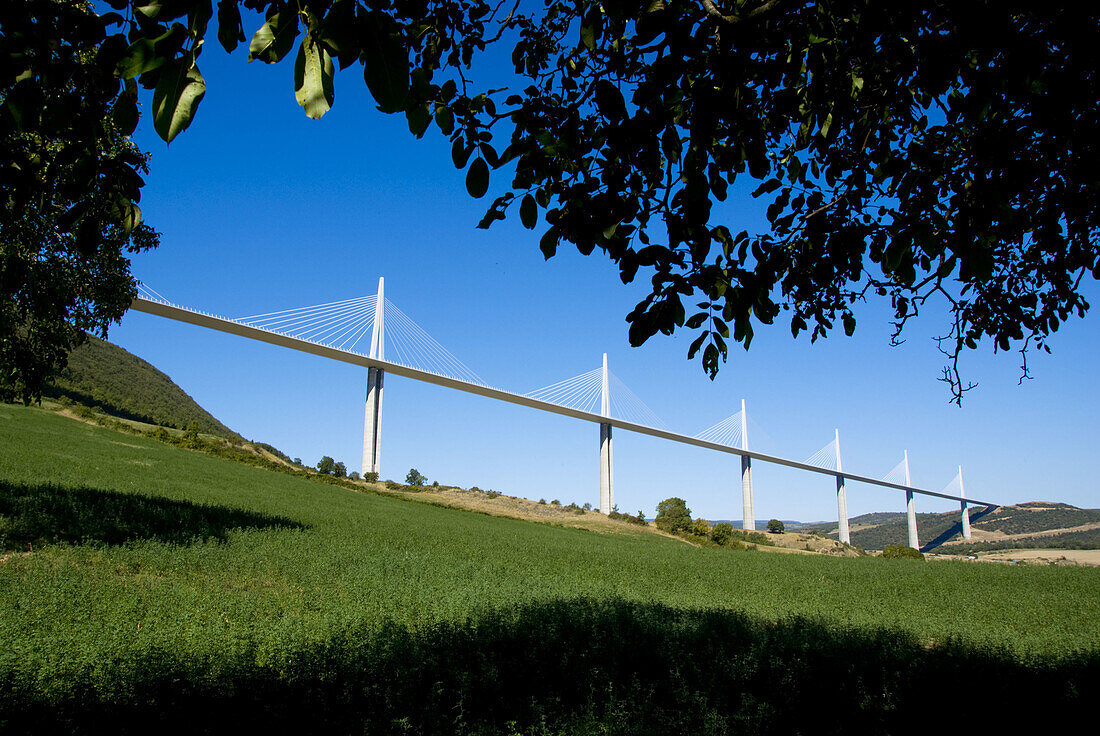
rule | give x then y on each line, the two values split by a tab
122	384
145	586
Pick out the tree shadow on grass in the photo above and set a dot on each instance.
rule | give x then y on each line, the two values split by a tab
576	666
35	515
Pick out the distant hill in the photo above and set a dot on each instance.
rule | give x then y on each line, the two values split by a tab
123	385
1033	525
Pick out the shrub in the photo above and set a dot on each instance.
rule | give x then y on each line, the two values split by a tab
326	465
625	517
339	470
542	501
587	506
900	551
701	528
435	484
475	489
555	502
775	526
371	477
414	478
393	485
297	461
354	475
492	494
673	515
722	533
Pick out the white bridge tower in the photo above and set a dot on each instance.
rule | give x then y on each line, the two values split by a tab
372	419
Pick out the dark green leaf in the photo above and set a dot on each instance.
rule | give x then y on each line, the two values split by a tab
477	178
419	118
529	212
610	101
445	119
176	97
385	61
275	38
230	29
460	153
548	244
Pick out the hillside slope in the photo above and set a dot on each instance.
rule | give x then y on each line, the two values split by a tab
1032	525
123	385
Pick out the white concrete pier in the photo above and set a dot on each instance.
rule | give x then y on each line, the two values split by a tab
910	509
841	498
748	519
607	461
372	419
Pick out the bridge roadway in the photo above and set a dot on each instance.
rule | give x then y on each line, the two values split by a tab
202	319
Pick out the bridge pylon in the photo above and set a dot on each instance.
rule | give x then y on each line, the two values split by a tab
841	498
748	519
910	508
965	510
372	419
607	472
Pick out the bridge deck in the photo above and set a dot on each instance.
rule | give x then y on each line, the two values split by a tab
213	322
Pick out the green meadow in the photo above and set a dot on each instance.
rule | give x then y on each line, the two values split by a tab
143	586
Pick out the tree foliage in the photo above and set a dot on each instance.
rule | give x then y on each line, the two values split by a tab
70	181
326	465
673	516
775	526
918	150
415	478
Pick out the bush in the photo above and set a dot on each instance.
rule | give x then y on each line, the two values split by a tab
393	485
722	533
701	528
587	506
371	477
414	478
297	461
900	551
339	470
492	494
354	475
555	502
542	501
475	489
673	515
435	484
326	465
775	526
625	517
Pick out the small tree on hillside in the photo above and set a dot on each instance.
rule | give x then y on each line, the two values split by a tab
673	515
722	533
414	478
354	475
326	465
339	470
775	526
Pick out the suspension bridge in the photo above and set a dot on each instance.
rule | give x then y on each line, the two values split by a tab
358	331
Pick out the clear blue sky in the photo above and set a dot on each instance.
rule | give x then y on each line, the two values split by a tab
262	209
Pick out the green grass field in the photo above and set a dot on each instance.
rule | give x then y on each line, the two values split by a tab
142	583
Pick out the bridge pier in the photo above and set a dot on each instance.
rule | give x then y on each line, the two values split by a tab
841	499
910	509
965	510
372	423
372	415
607	465
748	519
